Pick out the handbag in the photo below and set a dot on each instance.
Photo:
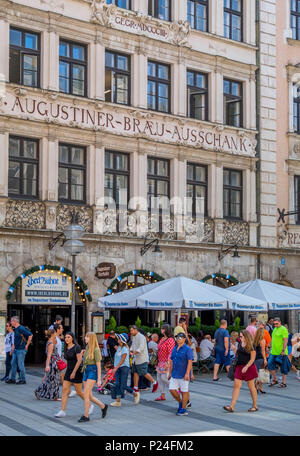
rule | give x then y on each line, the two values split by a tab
263	376
61	364
231	371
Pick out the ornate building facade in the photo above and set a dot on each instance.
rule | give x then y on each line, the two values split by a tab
124	101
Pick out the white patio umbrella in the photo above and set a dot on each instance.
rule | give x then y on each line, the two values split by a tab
192	294
278	297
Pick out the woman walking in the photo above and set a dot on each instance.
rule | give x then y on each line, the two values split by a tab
164	352
49	388
261	357
73	373
91	374
121	370
9	342
245	371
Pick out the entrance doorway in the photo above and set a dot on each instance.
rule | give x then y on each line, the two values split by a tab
39	318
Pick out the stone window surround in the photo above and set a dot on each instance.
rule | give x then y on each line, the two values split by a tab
48	171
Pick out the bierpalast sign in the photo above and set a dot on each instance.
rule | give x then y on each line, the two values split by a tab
130	123
46	288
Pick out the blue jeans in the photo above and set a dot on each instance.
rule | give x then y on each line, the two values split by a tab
121	383
18	359
7	364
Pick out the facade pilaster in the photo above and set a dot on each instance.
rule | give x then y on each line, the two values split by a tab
4	50
139	80
179	10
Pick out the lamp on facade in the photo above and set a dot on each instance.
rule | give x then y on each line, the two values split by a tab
223	252
148	245
73	246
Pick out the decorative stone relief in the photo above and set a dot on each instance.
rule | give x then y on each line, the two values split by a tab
103	13
235	233
2	212
181	31
283	240
64	217
295	153
25	214
204	232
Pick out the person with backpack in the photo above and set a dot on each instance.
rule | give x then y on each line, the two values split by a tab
222	349
22	339
164	352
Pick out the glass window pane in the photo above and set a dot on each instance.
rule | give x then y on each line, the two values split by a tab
190	78
151	69
200	80
64	69
226	86
236	5
190	170
78	52
15	37
122	62
108	185
109	160
226	177
151	166
78	72
121	190
162	168
29	171
190	191
78	87
200	174
14	147
236	178
200	191
64	49
227	4
162	188
31	41
14	177
30	70
77	192
163	105
122	89
30	149
121	162
63	154
77	176
163	72
77	156
151	186
163	90
14	66
29	187
63	175
108	85
109	59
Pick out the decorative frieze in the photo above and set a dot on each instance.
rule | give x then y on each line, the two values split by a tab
64	217
235	232
25	214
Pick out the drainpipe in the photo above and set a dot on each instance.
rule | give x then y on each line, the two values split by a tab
258	107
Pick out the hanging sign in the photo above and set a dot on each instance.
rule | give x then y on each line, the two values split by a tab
46	287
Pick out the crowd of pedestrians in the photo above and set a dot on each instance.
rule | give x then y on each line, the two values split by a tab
166	361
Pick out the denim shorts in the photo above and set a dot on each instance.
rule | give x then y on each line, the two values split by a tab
90	373
221	358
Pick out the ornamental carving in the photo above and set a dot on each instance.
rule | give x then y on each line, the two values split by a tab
199	232
103	13
181	31
64	217
236	233
25	214
296	151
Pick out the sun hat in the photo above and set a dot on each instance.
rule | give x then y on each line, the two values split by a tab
123	337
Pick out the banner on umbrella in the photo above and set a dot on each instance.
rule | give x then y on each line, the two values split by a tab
274	306
116	305
205	306
247	307
159	305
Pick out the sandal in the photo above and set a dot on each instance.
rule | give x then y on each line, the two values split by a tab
282	385
274	382
253	409
160	398
37	395
228	408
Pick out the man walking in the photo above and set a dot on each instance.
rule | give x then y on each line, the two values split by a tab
181	328
58	321
180	368
141	359
112	345
252	327
9	342
222	349
279	353
22	339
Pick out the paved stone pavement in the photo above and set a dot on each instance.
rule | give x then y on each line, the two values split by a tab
22	414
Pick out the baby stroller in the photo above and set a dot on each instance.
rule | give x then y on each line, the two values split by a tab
108	381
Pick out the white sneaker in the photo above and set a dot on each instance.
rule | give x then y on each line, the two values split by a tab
137	398
72	394
91	409
60	414
116	404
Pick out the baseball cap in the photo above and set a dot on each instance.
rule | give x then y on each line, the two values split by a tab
180	336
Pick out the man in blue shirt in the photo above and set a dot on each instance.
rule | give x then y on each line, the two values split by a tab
222	348
22	339
181	364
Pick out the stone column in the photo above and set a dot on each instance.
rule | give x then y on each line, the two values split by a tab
216	25
292	218
252	101
97	77
211	191
217	97
246	195
139	80
179	87
291	106
178	192
4	145
219	204
49	178
98	176
140	6
4	50
179	9
90	177
249	22
50	59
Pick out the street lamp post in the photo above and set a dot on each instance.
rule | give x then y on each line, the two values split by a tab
74	246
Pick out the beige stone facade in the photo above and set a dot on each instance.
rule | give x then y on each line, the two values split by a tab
53	117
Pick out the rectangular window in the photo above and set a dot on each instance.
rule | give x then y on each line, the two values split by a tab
197	95
233	19
161	9
159	85
72	173
72	68
197	14
158	180
117	78
295	19
233	194
116	184
126	4
24	57
23	167
296	108
233	103
297	198
197	188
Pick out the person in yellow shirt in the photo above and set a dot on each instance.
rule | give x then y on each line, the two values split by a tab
181	327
